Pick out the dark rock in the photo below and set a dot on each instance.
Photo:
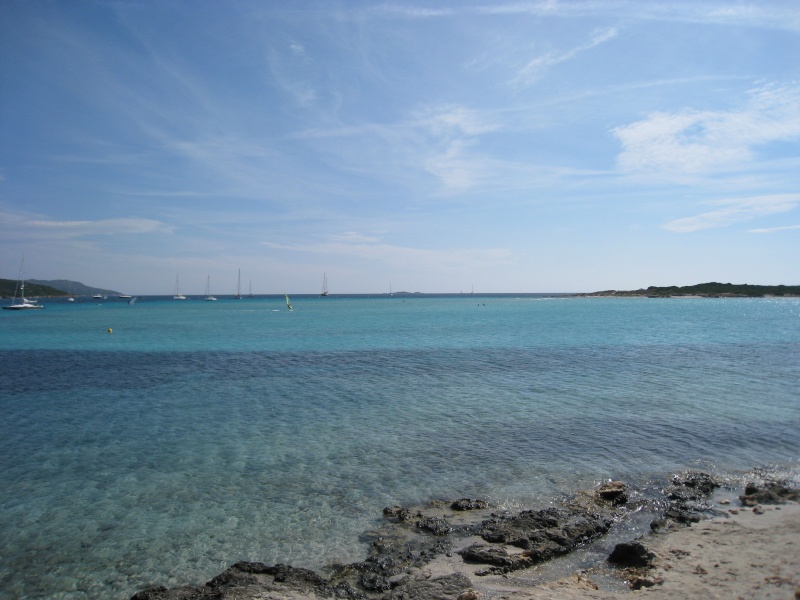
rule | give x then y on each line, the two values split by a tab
614	492
544	534
446	587
772	492
682	514
436	525
691	486
389	558
486	555
686	498
467	504
399	513
252	580
631	554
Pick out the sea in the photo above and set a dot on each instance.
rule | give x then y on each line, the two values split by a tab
161	441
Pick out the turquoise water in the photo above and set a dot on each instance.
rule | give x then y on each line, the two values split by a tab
197	433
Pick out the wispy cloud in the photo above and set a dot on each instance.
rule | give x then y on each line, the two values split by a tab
735	210
693	142
775	229
77	229
449	132
372	248
531	72
762	15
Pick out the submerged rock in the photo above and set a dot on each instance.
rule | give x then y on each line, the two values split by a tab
251	580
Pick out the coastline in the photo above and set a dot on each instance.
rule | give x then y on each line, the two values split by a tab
744	553
700	544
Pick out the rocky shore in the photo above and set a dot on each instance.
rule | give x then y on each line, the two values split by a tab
467	550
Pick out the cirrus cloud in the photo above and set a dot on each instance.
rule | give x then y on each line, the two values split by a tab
734	210
695	142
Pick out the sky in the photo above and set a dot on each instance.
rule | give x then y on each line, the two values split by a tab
496	146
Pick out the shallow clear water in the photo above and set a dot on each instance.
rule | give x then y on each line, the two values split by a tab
197	434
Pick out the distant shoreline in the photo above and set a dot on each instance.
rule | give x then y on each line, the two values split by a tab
705	290
39	289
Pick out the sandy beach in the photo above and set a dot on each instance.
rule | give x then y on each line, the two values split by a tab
749	553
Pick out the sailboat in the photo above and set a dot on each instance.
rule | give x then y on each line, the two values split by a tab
288	302
178	295
324	285
209	297
239	286
251	289
24	303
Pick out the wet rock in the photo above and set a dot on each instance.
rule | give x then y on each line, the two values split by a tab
389	558
772	492
436	525
250	580
614	492
545	534
692	485
631	554
467	504
686	496
399	513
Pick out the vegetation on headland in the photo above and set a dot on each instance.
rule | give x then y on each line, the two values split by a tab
707	290
51	289
32	290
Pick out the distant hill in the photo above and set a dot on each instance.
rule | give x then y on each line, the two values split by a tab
55	288
75	288
709	290
32	290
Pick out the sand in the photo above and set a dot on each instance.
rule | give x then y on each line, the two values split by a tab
747	554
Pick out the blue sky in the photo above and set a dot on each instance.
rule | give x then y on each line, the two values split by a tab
543	146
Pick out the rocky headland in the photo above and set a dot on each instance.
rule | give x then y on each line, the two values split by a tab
703	290
467	550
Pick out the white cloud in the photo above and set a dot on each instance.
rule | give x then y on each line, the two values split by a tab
735	210
451	131
77	229
693	142
775	229
353	237
534	69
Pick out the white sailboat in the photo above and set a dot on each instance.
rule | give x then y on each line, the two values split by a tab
209	297
178	295
24	303
251	289
324	285
239	286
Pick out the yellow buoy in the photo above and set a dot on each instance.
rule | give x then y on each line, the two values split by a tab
109	330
